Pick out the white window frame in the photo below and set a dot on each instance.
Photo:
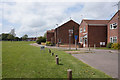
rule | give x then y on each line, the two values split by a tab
84	28
80	30
80	39
113	39
112	26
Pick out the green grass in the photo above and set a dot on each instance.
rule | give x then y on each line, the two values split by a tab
21	60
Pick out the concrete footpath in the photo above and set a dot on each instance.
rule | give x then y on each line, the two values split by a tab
102	60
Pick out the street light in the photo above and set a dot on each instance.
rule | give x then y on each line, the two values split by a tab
57	37
70	34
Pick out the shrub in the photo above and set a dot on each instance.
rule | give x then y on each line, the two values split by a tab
41	39
116	46
38	41
48	43
109	45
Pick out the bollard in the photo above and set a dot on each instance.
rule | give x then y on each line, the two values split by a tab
89	47
57	60
52	54
49	51
56	55
69	74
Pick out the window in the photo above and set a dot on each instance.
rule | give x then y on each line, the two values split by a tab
80	39
80	30
113	39
59	40
84	29
113	26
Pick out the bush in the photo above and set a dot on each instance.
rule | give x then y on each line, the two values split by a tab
41	39
48	43
116	46
109	45
38	41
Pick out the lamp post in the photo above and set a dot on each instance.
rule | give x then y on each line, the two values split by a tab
57	37
70	34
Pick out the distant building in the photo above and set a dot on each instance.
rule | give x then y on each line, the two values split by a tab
50	36
12	32
31	39
62	32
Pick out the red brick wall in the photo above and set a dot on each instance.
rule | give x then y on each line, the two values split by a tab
97	34
50	36
112	32
62	32
84	24
119	26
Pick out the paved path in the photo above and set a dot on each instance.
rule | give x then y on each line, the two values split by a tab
104	61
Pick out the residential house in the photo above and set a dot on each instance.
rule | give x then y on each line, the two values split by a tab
93	33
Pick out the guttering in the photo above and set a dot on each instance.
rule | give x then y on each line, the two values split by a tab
97	24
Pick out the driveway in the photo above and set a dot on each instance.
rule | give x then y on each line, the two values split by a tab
103	60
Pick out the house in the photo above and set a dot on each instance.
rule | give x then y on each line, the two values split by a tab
93	33
114	29
50	36
62	32
31	39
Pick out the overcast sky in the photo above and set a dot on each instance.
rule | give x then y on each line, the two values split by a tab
31	17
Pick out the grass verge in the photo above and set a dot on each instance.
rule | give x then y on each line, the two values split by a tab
21	60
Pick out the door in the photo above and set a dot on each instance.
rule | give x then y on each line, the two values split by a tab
85	41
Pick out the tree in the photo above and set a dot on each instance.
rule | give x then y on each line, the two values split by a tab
16	38
0	37
25	37
10	37
4	36
41	39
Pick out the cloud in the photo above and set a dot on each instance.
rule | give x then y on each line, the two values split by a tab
60	0
38	17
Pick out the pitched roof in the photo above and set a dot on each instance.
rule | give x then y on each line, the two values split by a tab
68	22
96	21
118	12
51	31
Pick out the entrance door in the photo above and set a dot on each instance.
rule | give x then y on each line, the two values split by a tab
85	41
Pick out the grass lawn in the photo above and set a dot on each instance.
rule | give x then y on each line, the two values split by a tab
21	60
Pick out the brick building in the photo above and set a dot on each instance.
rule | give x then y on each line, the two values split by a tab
62	32
93	32
50	36
114	29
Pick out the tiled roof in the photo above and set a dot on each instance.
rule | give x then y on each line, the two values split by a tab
52	30
96	21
